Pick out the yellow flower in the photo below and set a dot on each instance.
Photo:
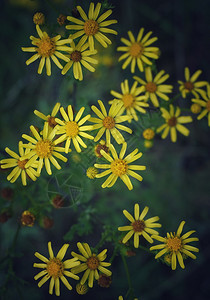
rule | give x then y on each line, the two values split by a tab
148	144
154	87
39	18
92	26
119	167
27	218
91	264
174	122
205	103
22	167
101	146
43	148
81	289
49	118
176	245
195	108
91	172
55	268
109	123
139	226
72	129
190	85
137	50
47	48
79	55
148	134
130	99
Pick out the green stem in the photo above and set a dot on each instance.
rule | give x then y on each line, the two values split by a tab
114	254
130	291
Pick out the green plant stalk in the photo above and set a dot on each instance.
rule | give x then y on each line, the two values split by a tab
130	291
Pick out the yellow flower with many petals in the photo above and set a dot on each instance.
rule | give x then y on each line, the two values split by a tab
79	55
49	118
47	48
119	167
43	148
109	123
72	129
21	167
92	26
139	226
56	269
190	85
91	264
174	122
137	50
205	103
176	246
153	87
130	99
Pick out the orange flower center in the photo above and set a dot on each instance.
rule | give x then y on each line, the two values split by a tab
148	134
128	100
91	27
55	267
208	105
27	218
109	122
138	226
46	46
51	121
76	56
72	129
119	167
151	87
92	262
44	148
189	86
22	163
172	121
136	50
174	244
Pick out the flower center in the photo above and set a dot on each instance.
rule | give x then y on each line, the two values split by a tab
92	262
208	105
27	218
151	87
189	86
46	47
22	163
109	122
174	244
91	27
51	122
195	108
76	56
128	100
172	121
100	147
72	129
119	167
136	50
148	134
55	267
44	148
138	226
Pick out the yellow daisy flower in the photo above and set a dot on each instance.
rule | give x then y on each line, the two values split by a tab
49	118
79	55
119	167
109	123
92	26
43	148
174	122
176	246
153	87
139	226
55	268
72	129
205	102
190	85
47	48
130	99
91	264
21	167
137	50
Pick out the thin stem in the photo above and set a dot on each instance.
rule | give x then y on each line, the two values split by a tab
130	291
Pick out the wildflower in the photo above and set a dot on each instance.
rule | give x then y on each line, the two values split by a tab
81	289
21	165
92	263
148	144
27	218
71	129
153	87
101	146
173	122
195	108
44	149
91	172
109	123
104	281
190	85
49	118
148	134
39	18
137	50
176	245
205	103
92	26
61	19
58	201
139	226
55	268
130	99
119	167
47	48
80	56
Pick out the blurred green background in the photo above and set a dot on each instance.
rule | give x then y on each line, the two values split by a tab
176	183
